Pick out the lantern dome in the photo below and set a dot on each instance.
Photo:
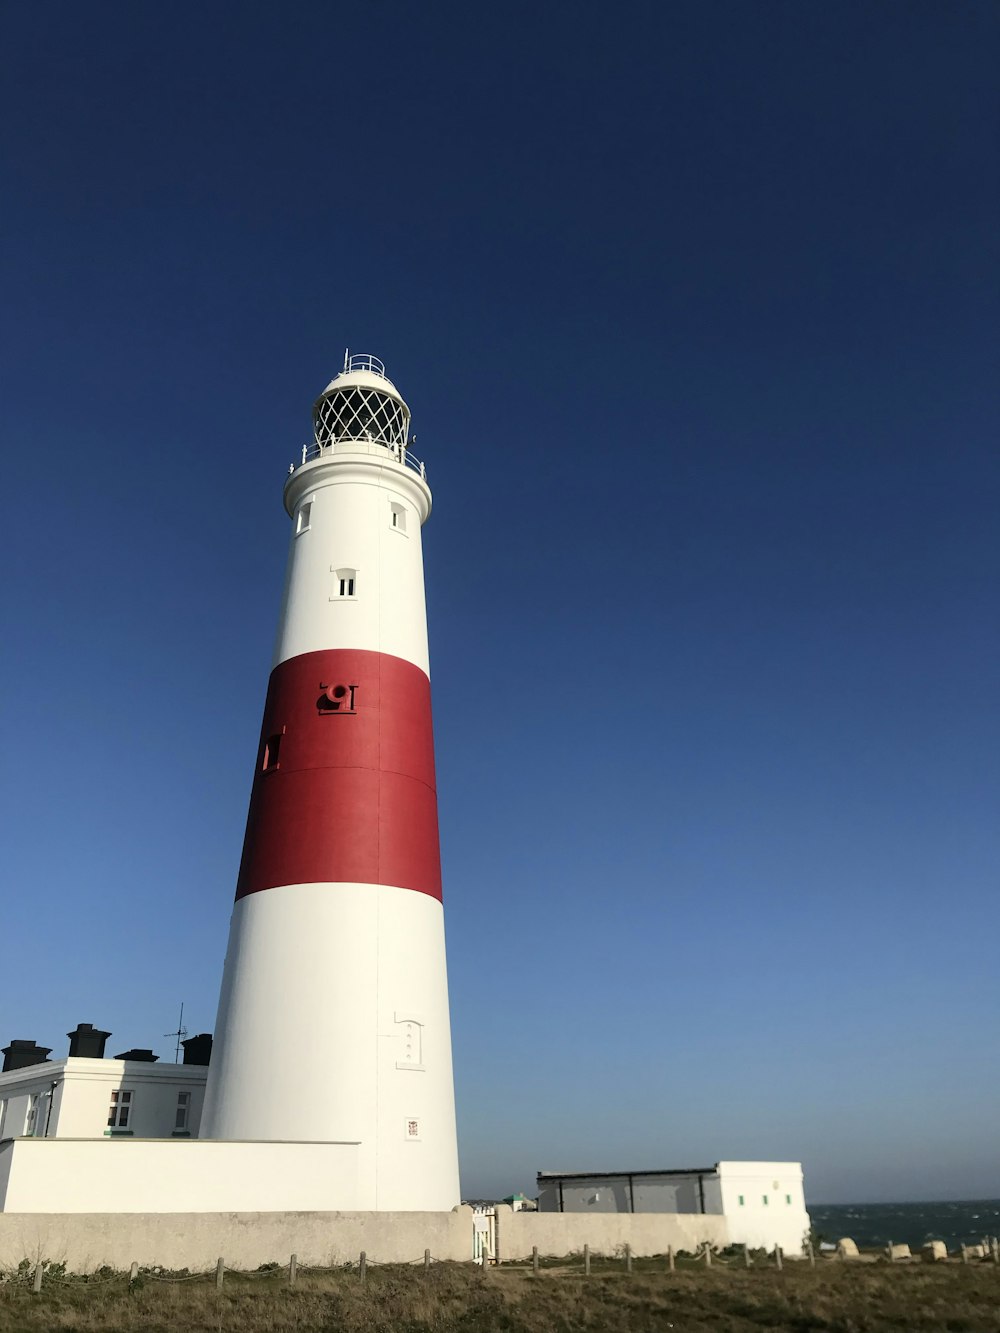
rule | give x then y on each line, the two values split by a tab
361	403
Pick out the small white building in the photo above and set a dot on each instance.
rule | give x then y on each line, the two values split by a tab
85	1096
763	1202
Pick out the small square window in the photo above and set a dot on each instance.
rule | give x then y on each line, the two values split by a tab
304	520
741	1201
765	1200
397	517
788	1198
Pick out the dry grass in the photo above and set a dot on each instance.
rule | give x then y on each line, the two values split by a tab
456	1298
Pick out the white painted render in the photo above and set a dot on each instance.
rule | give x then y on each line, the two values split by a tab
173	1176
605	1233
334	1024
342	518
80	1092
764	1203
333	1017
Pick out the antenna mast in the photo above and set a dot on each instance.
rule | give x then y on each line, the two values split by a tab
179	1034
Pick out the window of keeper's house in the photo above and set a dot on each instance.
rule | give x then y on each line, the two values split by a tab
120	1109
183	1110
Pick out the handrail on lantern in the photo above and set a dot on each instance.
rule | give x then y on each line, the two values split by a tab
398	452
369	363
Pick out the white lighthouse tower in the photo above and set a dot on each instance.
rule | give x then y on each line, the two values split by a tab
333	1020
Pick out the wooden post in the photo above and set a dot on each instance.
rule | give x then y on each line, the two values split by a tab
777	1257
628	1257
888	1251
220	1273
363	1267
133	1272
965	1254
36	1286
586	1261
811	1254
746	1256
671	1262
293	1269
534	1260
995	1250
708	1255
427	1261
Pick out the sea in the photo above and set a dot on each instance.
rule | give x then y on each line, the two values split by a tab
912	1224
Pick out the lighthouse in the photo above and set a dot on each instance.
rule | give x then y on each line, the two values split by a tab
333	1021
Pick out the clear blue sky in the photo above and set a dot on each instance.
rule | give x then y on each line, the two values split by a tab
695	306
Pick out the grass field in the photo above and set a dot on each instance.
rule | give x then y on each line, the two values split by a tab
834	1298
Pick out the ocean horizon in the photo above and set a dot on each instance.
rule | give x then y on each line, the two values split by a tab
965	1221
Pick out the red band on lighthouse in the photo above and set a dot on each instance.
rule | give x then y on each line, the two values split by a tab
345	788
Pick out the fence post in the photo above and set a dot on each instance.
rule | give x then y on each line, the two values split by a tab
534	1260
995	1250
778	1257
965	1254
427	1261
888	1251
363	1266
293	1269
586	1261
746	1256
670	1259
811	1254
133	1272
36	1286
220	1273
628	1257
708	1255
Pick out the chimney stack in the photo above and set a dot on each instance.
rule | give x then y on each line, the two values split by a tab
21	1054
198	1050
87	1042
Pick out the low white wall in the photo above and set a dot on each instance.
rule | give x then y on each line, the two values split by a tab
175	1176
605	1233
86	1241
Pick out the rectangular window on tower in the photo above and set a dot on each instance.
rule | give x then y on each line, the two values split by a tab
304	520
272	748
397	518
345	582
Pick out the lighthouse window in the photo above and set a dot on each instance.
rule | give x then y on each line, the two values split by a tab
345	582
303	522
271	747
398	517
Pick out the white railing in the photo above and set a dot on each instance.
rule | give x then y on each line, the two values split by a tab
369	363
397	452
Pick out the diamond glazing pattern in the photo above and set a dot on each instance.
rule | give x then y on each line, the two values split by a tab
360	414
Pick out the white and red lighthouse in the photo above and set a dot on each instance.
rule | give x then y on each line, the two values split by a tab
333	1020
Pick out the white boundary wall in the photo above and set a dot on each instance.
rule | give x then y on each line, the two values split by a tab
174	1176
86	1241
605	1233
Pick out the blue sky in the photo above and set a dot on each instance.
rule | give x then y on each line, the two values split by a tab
694	305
